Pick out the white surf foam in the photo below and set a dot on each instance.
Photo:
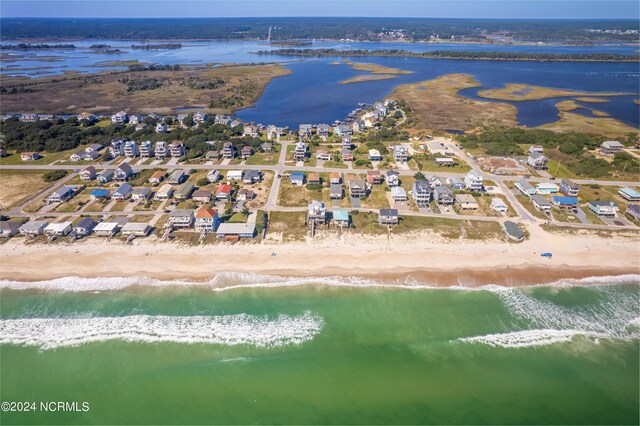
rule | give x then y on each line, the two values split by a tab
227	281
528	338
241	329
613	315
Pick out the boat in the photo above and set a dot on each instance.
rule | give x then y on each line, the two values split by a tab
548	255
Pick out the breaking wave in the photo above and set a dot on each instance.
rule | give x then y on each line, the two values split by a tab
237	280
616	315
241	329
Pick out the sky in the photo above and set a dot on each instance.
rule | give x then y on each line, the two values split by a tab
503	9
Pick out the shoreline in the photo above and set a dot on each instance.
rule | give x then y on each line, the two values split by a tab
412	260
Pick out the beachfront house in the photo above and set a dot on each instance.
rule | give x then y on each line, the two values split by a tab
466	202
335	178
604	208
9	228
314	178
569	188
316	212
251	130
341	218
201	196
58	229
536	148
33	228
138	229
206	219
116	149
106	229
181	218
388	217
473	181
245	194
610	147
235	231
83	228
346	154
443	195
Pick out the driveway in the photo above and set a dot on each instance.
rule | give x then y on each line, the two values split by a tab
355	203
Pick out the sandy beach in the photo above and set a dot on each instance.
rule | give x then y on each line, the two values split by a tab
425	258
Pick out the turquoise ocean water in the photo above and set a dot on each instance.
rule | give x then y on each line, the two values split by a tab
320	351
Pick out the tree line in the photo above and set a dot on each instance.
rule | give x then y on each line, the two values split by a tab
453	54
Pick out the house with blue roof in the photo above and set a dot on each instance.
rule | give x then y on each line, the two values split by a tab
297	178
341	218
564	202
99	194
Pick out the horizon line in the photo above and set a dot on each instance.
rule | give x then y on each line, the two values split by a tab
316	17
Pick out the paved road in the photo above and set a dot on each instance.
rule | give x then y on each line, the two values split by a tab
271	203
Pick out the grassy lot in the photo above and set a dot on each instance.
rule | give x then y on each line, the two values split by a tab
264	158
96	206
47	157
427	163
289	224
377	198
19	185
119	206
335	165
296	196
366	223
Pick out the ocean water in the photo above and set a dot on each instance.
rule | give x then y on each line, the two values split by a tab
256	349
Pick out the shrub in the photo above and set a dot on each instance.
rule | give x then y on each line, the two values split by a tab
54	175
